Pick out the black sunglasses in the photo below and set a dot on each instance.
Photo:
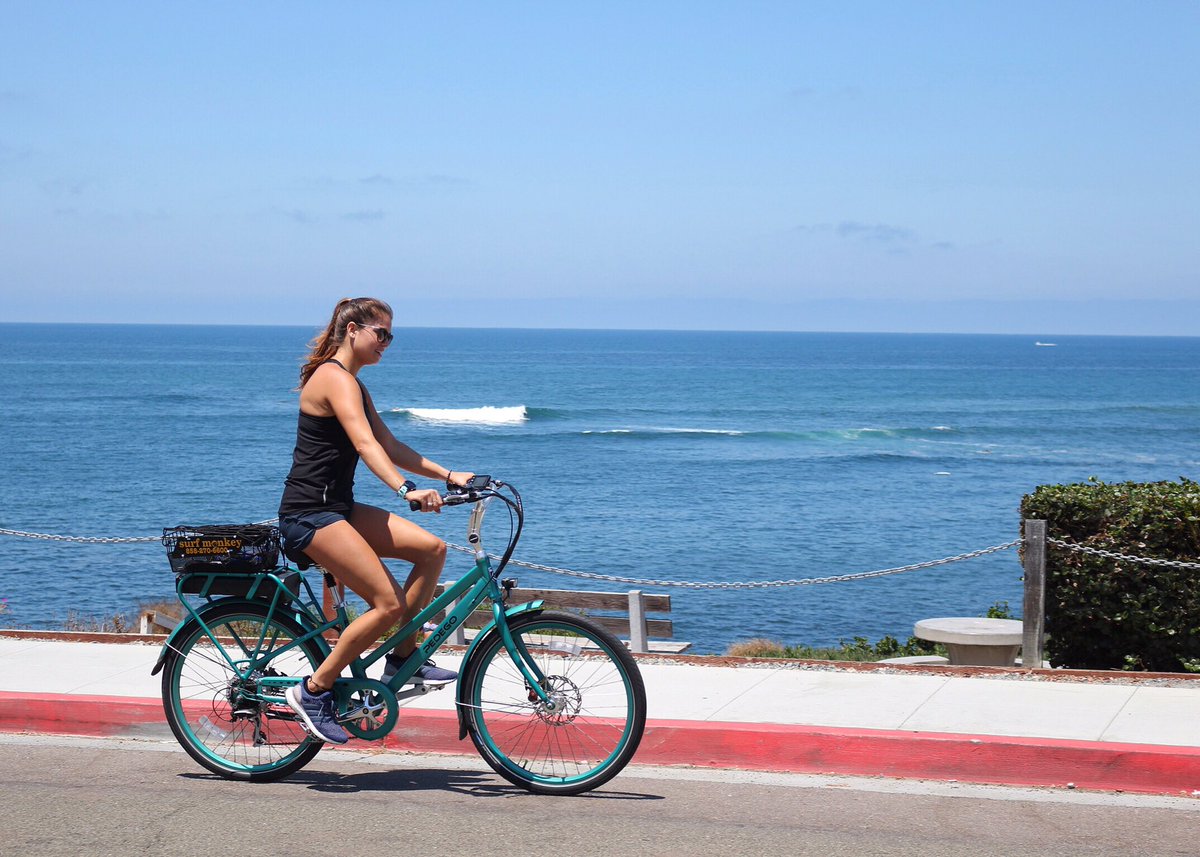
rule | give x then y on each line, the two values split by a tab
384	335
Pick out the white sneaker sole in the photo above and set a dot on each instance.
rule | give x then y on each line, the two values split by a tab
292	695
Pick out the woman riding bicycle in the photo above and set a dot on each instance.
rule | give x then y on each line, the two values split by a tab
321	523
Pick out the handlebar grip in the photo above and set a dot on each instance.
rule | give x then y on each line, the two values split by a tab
450	498
456	497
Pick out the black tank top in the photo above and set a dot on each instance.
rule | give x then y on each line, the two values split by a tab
323	463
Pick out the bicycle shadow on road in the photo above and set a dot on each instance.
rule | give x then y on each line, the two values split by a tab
475	783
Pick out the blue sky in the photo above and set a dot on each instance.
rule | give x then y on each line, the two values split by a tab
1016	167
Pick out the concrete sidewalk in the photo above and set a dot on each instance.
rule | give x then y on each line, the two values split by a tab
1009	726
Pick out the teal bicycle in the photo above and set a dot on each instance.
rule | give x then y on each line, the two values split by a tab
553	702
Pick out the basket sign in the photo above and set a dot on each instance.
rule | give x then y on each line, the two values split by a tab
207	547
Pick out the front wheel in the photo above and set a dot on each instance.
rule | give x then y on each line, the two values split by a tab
217	714
598	715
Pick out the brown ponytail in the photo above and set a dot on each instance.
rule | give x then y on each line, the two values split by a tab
325	344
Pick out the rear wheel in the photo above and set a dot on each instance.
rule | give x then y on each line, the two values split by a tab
216	715
598	714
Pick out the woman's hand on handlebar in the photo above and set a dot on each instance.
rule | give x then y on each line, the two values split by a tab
425	500
461	488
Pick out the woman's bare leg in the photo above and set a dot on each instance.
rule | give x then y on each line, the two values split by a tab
342	551
392	536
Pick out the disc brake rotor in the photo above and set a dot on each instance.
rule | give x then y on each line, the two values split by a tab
567	700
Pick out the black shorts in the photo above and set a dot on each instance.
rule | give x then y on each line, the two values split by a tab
296	533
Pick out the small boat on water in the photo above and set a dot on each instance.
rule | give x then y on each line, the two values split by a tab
1045	344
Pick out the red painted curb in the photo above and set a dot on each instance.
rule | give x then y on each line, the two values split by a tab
925	755
1140	768
71	714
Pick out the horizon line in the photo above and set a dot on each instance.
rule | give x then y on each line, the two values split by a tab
846	332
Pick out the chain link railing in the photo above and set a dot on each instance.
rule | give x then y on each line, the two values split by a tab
94	540
88	540
758	584
587	575
1122	557
688	584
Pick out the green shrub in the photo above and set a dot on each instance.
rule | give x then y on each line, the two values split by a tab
1108	614
1000	610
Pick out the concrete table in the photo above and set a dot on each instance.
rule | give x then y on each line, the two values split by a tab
974	642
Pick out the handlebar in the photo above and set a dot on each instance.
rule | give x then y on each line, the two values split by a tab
479	488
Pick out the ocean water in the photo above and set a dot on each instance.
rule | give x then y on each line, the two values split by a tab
658	455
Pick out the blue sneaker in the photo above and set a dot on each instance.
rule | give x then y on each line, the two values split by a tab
428	673
316	711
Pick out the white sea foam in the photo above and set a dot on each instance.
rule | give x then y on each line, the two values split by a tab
487	415
658	431
728	432
859	433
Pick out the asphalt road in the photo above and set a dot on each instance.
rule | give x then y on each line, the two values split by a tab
63	796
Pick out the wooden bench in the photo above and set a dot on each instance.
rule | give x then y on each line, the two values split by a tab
156	622
623	613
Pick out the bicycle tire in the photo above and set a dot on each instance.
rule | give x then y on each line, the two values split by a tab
199	695
584	744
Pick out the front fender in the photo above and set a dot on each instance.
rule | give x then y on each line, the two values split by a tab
190	623
463	693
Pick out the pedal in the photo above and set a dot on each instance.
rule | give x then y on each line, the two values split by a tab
432	685
416	690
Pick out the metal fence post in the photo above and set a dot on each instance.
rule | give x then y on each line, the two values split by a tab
638	633
1035	594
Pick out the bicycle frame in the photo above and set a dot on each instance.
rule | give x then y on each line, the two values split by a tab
458	602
